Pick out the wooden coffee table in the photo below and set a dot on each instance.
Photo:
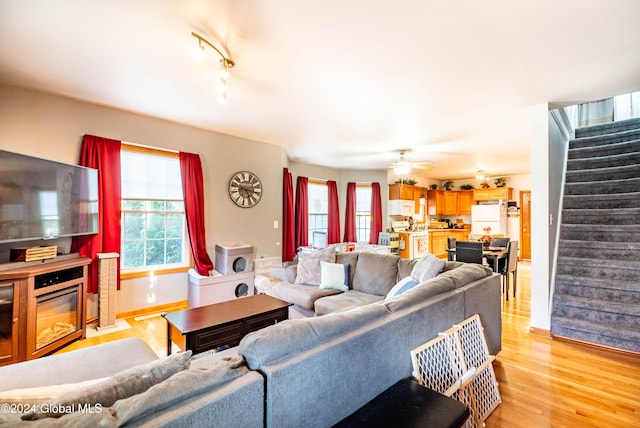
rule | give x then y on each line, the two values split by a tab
223	324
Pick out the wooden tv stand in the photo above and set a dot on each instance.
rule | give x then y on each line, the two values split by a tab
22	286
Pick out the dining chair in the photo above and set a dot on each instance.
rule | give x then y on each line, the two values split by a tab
451	248
510	267
469	252
499	242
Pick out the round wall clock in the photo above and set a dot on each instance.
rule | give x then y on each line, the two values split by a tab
245	189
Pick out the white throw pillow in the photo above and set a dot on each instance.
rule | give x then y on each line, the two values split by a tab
429	266
406	283
334	276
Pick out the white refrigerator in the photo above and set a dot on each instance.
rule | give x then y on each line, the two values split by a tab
489	215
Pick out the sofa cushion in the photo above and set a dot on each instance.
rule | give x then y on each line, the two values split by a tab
376	273
405	266
302	295
352	259
308	270
293	336
334	276
130	382
344	300
466	273
419	293
429	266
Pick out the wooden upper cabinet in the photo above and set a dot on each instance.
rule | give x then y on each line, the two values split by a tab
465	200
450	202
493	194
403	191
435	202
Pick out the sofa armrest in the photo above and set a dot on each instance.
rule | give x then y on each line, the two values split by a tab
94	362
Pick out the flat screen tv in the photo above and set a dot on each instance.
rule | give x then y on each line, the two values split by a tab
43	199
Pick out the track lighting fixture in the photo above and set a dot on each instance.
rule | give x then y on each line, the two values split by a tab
225	65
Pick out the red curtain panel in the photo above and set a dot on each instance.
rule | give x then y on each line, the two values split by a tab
104	155
376	213
192	192
333	218
350	234
288	219
302	212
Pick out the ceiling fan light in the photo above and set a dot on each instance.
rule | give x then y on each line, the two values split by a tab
402	169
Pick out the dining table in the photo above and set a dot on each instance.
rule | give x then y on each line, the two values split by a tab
493	255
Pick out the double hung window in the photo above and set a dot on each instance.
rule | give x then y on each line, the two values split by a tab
153	221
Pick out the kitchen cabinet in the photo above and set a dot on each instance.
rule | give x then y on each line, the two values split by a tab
435	202
402	191
438	240
450	202
438	243
465	200
493	194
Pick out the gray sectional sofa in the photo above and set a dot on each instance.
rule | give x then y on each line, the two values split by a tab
309	372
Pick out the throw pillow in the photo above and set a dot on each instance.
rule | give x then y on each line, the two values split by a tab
429	266
125	384
308	270
403	285
334	276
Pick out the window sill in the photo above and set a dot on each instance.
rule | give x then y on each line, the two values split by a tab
145	272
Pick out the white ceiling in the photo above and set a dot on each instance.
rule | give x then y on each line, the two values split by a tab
340	83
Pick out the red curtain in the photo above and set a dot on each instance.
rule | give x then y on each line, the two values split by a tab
104	155
288	219
302	212
376	214
333	218
350	234
193	194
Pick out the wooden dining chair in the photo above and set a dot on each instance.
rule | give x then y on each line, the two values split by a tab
510	267
469	252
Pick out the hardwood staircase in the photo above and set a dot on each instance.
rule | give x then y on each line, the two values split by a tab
597	286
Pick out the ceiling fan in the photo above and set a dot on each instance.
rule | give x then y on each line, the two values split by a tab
403	167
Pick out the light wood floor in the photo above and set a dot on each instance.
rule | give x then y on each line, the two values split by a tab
543	382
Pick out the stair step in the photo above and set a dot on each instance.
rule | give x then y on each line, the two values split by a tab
618	200
582	307
608	233
602	216
611	335
566	282
602	142
603	174
607	128
598	250
619	270
625	185
627	158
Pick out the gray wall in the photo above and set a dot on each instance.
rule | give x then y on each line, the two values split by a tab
52	127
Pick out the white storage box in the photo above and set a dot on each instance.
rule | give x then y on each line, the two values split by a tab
234	257
207	290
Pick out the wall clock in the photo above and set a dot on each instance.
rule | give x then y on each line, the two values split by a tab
245	189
